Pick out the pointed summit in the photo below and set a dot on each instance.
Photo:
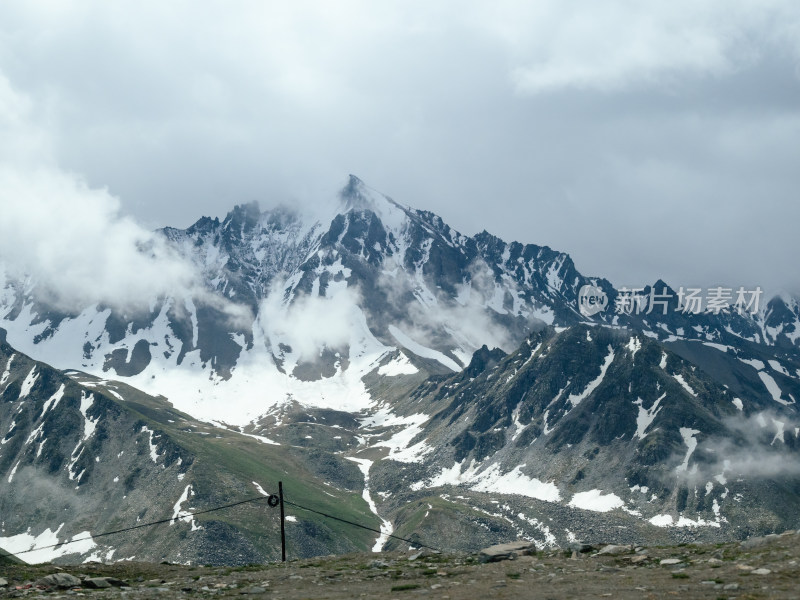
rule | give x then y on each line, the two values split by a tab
243	217
358	196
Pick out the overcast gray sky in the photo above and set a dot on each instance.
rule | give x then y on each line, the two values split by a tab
647	139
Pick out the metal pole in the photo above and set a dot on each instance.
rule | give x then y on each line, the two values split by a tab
283	528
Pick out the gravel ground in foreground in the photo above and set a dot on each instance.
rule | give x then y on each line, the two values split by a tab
758	568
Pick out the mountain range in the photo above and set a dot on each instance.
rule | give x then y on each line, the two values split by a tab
398	373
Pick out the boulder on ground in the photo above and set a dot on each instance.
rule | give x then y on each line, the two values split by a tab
507	551
96	583
59	580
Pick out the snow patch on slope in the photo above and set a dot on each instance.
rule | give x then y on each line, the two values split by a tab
7	371
398	443
154	455
515	482
646	416
576	399
422	351
596	501
25	542
691	443
53	401
179	514
753	362
89	424
28	384
386	526
665	520
773	388
399	365
492	480
679	378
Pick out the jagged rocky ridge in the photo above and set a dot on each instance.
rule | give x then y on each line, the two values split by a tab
391	276
349	337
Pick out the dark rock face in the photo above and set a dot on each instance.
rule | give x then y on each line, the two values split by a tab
118	360
482	360
615	412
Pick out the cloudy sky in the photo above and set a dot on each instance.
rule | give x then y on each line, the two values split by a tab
645	138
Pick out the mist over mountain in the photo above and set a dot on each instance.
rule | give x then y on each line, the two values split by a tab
464	386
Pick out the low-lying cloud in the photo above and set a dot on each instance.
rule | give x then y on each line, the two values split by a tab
762	445
70	242
308	323
79	249
468	321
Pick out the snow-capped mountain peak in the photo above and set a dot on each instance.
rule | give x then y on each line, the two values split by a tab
321	296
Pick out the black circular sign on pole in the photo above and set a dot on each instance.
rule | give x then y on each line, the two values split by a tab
273	500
